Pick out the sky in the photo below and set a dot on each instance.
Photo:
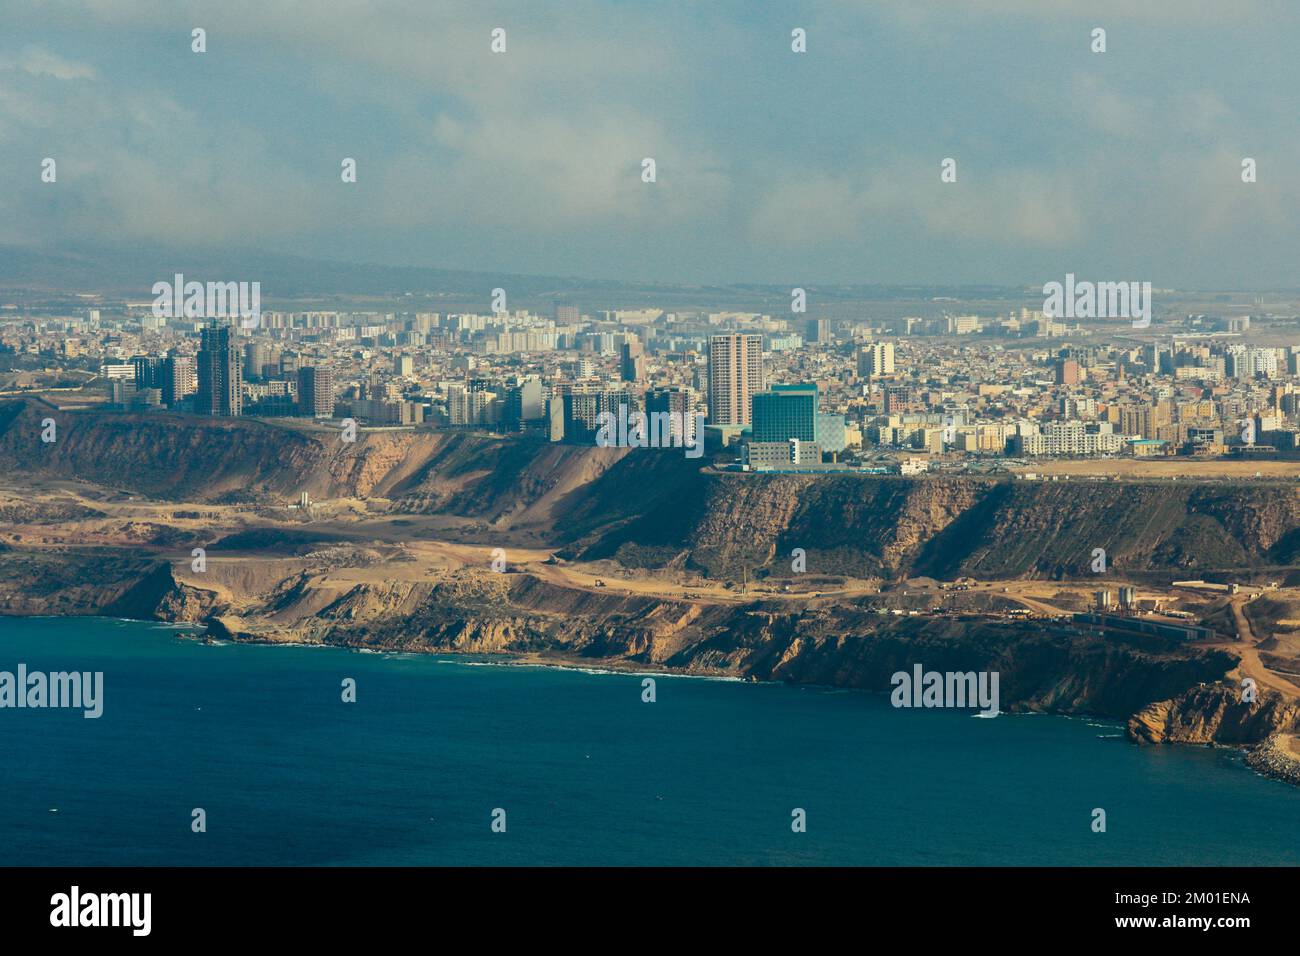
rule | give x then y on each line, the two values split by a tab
771	166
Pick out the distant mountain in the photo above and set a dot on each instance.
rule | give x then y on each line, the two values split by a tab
122	272
126	271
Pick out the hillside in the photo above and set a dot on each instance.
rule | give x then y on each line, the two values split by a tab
946	527
646	559
648	509
192	458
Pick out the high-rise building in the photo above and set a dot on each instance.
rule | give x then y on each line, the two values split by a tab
1293	360
148	371
582	411
785	412
121	392
575	408
898	398
256	355
220	388
832	432
677	401
632	362
316	391
876	359
1067	372
735	376
403	366
1144	421
523	403
1243	362
179	379
470	403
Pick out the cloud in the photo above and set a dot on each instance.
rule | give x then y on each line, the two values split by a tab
809	208
135	165
919	12
1002	206
551	172
36	61
765	158
525	140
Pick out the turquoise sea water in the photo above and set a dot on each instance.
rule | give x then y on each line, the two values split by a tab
586	772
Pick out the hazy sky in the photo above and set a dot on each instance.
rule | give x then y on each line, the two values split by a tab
772	166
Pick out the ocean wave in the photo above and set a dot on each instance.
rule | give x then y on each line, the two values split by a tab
598	671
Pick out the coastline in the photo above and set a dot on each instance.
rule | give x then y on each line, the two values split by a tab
1268	757
587	772
1277	758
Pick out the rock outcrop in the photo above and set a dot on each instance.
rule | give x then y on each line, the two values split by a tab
1214	714
1276	757
657	508
281	576
158	596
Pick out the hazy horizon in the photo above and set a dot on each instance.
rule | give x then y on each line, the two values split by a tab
772	166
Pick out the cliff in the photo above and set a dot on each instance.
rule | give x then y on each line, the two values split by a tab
380	574
1214	714
1052	668
952	526
159	596
650	508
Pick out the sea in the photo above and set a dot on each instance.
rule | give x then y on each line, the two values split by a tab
451	761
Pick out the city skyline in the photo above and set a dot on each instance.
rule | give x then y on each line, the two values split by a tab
641	435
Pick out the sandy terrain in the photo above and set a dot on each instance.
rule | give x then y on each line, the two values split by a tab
1183	469
416	548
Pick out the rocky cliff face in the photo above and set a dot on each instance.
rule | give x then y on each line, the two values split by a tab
650	511
951	526
1214	714
69	582
158	596
656	508
198	459
1041	668
181	457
